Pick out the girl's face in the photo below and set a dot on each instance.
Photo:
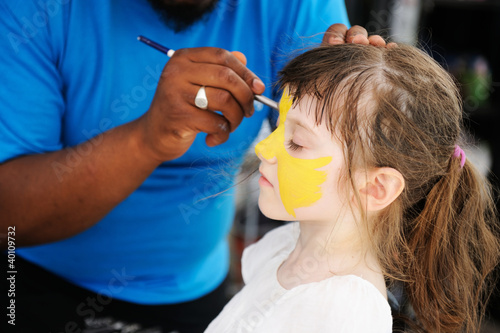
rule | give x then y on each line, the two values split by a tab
301	164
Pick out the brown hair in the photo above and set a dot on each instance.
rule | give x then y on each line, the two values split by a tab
398	108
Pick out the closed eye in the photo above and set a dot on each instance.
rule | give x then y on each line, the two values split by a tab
293	146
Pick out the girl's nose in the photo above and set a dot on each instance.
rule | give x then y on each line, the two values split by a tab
266	149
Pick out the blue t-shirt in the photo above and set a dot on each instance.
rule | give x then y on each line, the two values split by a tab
73	69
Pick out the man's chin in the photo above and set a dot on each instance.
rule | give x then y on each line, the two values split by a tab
179	15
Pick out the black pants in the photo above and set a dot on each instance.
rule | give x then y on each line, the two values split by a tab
45	303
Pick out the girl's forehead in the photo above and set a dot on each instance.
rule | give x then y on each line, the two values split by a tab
304	108
302	117
305	111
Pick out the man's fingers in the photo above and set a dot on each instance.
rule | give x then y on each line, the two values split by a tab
225	58
357	34
376	40
339	34
240	56
360	39
215	125
336	34
224	78
218	68
222	100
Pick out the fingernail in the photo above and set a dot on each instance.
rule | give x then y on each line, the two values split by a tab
258	85
335	40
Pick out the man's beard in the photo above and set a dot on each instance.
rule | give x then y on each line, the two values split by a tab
180	16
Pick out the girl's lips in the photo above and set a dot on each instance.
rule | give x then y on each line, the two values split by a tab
264	182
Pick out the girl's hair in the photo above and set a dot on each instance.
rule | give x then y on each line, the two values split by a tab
396	107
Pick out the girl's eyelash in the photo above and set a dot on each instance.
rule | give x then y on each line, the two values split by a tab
293	146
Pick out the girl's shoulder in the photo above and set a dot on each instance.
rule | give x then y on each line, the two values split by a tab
354	289
348	303
271	249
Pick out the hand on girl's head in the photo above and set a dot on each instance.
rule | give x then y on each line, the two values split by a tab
339	34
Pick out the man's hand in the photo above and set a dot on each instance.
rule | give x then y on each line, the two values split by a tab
173	120
339	34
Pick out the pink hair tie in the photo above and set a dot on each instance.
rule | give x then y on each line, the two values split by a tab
459	153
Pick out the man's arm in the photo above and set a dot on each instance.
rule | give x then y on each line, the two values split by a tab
48	199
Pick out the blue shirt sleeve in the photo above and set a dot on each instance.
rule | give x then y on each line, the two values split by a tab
31	95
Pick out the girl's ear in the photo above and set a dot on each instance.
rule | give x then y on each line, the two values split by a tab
380	187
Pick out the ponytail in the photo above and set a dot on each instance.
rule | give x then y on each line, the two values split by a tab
453	248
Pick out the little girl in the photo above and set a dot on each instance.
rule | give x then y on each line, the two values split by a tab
367	159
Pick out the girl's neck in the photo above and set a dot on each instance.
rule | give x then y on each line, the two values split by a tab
335	240
323	251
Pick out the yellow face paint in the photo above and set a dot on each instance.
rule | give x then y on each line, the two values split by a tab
299	180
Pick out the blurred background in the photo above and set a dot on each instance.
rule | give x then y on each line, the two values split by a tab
464	36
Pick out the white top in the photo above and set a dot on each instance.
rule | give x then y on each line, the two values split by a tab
345	303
